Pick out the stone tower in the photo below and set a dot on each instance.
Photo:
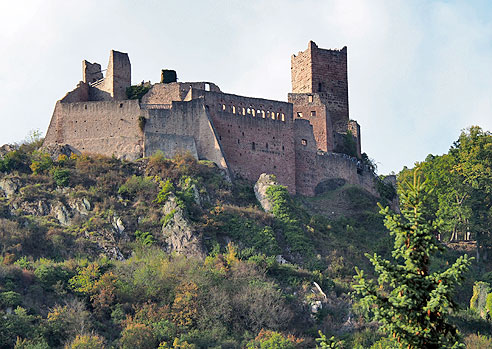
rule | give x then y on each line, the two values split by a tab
320	95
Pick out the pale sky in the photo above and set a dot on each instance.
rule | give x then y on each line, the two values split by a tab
419	71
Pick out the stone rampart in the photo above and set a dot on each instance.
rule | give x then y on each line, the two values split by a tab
109	127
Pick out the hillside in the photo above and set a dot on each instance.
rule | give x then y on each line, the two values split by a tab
134	254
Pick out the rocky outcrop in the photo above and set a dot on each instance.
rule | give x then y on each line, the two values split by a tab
61	213
181	236
9	186
264	182
7	148
55	150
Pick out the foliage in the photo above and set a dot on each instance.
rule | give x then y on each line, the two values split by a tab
328	343
349	145
462	180
40	163
167	188
283	209
145	238
61	176
138	186
86	341
385	189
273	340
137	91
410	302
478	341
137	336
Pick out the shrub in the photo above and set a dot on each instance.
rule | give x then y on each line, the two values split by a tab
478	341
86	341
139	186
273	340
167	188
40	163
61	176
145	238
137	91
49	274
10	299
137	336
31	344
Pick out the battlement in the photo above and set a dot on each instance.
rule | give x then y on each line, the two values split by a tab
245	136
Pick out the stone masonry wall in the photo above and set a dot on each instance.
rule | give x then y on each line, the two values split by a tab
171	130
324	72
79	94
98	127
257	136
310	107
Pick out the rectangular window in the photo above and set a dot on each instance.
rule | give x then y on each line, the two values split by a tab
310	98
313	112
299	114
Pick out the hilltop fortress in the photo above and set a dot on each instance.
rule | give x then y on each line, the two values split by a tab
304	142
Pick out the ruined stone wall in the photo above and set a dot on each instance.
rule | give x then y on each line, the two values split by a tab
79	94
177	91
108	128
257	136
301	71
172	131
310	107
314	169
91	72
305	156
165	93
117	79
354	127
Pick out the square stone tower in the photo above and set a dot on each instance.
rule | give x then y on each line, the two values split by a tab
320	94
324	72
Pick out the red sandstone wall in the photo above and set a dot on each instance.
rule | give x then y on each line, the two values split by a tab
321	121
324	72
256	134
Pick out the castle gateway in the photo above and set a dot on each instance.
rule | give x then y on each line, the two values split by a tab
304	142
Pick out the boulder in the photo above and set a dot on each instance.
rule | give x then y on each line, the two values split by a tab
264	182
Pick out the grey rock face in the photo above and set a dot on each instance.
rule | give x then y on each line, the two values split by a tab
181	236
61	213
9	186
264	182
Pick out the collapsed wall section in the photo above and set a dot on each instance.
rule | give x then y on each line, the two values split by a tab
107	128
257	136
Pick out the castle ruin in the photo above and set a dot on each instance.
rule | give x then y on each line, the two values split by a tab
304	142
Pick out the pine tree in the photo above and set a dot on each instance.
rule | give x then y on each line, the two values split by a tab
410	302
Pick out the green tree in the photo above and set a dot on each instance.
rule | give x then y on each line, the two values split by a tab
409	301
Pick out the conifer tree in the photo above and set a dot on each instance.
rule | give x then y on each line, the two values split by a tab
410	302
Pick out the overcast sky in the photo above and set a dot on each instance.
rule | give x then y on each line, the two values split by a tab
419	71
